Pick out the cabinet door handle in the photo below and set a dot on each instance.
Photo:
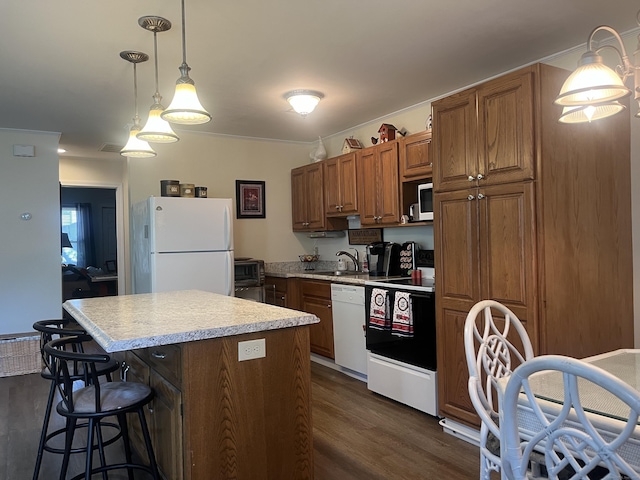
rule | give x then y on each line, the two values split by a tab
329	306
470	197
124	369
480	196
480	176
159	355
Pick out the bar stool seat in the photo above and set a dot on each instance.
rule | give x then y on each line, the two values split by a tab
50	330
95	402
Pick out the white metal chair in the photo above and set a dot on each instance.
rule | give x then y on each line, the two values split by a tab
573	448
491	356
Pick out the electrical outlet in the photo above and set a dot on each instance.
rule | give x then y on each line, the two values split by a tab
252	349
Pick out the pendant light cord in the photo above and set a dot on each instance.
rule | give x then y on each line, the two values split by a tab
184	37
135	92
155	54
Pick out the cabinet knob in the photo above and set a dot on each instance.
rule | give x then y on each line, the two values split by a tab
471	178
337	207
470	197
480	176
329	306
480	196
431	164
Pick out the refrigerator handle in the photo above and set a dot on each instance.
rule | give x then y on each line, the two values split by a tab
228	227
230	274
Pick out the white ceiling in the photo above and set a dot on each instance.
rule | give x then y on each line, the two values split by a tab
61	70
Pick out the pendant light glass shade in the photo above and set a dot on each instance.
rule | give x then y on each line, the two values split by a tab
303	101
136	148
156	129
591	83
589	113
185	108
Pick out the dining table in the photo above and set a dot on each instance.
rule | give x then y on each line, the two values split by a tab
607	413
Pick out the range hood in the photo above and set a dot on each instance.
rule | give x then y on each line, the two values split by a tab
336	234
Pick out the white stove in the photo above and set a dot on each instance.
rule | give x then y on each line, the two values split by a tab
426	284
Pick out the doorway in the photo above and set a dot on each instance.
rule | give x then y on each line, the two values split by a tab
92	219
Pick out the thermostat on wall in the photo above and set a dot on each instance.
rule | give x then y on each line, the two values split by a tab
24	151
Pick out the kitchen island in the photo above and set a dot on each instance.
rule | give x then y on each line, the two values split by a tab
214	416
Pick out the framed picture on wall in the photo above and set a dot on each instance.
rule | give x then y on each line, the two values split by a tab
250	199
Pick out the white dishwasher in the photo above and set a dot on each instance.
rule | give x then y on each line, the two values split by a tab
349	327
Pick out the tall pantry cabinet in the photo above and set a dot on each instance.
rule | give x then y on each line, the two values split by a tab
534	214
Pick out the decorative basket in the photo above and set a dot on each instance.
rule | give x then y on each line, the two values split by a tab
20	356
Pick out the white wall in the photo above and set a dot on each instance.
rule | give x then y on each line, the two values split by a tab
216	162
31	280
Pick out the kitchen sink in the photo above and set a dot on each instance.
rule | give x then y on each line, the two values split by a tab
337	273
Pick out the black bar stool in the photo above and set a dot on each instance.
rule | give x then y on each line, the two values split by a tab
95	402
51	330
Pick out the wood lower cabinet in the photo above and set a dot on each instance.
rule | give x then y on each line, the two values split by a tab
546	230
216	417
276	291
379	190
340	185
486	243
314	296
164	413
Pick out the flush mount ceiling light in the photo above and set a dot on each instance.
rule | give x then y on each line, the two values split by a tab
156	129
592	90
135	147
303	101
185	108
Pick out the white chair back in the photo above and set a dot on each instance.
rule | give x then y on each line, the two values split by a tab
572	445
491	355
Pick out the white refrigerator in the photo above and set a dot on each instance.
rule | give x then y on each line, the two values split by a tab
183	244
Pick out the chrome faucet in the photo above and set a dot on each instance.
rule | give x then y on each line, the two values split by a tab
354	258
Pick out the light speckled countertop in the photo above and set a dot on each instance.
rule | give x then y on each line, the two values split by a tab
128	322
352	279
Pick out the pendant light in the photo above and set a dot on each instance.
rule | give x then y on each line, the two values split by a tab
156	129
135	147
185	108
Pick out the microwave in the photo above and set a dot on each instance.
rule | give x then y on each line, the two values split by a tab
425	202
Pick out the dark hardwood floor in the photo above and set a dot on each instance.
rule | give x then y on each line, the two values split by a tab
357	435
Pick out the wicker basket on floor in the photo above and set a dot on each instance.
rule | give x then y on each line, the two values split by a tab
19	355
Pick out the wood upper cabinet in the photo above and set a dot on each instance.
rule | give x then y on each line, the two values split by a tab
415	159
340	185
379	189
484	135
307	204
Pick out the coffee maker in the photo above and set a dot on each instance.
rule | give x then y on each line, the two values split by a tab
384	259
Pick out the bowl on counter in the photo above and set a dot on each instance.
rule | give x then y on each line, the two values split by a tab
309	258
